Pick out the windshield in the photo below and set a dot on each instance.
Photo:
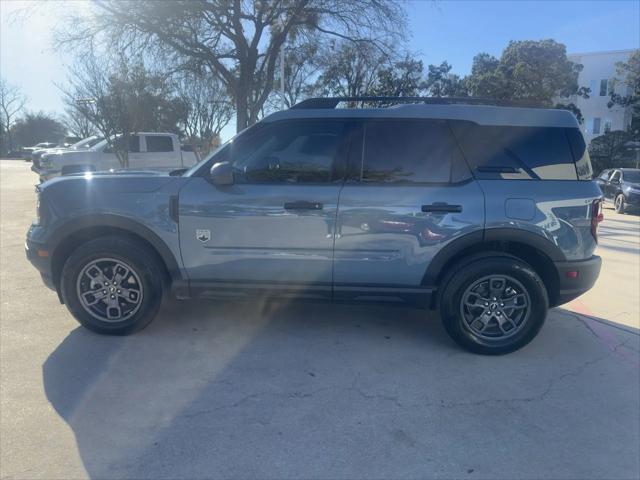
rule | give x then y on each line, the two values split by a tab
86	143
220	151
631	176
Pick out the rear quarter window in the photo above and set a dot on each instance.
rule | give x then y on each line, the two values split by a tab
498	152
411	151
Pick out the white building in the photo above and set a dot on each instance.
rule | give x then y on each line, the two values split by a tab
598	72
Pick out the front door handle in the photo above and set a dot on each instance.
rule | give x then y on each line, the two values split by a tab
303	205
442	208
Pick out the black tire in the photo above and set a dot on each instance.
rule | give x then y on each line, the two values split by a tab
619	204
147	272
472	271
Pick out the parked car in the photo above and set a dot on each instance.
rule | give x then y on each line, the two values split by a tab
621	187
27	151
155	151
486	213
83	144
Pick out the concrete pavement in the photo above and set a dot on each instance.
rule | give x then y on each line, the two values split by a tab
214	390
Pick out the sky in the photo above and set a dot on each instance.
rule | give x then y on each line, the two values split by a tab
452	30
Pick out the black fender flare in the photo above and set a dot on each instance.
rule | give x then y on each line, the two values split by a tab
479	238
98	220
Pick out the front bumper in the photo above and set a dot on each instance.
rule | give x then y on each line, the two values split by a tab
40	257
45	174
576	277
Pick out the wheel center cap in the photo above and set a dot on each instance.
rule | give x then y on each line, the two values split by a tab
494	306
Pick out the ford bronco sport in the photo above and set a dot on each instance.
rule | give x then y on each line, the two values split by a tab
486	213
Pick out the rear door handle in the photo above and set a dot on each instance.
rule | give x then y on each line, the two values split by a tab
442	208
303	205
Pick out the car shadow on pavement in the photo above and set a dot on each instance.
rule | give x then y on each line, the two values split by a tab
244	390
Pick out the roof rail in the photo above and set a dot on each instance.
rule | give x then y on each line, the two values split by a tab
332	102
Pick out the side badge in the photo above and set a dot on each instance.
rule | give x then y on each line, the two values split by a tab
203	235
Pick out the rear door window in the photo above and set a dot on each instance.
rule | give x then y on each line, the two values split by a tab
411	151
498	152
159	143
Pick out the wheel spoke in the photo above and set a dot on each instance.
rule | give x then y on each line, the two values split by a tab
497	285
120	273
128	294
94	296
95	274
118	295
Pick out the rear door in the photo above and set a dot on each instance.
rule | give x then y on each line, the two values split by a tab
161	151
409	194
273	228
108	159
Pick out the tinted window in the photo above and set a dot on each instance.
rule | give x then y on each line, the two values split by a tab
300	152
411	152
631	176
134	144
616	176
605	175
159	144
517	152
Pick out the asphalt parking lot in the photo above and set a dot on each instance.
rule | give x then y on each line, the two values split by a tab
313	391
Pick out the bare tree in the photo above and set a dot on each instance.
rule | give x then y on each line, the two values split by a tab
121	99
351	69
12	102
238	41
302	66
76	122
208	108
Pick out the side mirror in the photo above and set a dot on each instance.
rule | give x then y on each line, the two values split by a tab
221	173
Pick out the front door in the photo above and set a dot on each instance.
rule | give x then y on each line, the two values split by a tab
408	196
274	226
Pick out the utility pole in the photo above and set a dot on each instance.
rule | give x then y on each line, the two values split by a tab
282	78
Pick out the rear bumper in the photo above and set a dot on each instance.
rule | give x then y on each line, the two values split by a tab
573	285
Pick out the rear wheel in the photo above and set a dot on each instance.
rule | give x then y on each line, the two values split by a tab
493	305
620	203
112	285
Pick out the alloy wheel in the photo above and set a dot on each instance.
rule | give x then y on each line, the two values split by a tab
109	290
495	307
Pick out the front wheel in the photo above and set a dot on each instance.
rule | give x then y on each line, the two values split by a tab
112	285
494	304
620	203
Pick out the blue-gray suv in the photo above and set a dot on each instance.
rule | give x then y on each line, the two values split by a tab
486	213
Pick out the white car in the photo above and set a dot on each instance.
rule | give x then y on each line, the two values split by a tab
27	151
147	151
83	144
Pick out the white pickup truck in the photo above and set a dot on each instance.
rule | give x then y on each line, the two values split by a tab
147	151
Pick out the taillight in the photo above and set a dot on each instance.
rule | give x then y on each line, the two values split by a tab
596	217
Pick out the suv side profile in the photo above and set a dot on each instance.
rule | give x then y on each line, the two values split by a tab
485	213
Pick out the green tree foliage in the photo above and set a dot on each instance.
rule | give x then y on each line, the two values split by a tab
628	77
532	70
614	149
441	82
535	71
403	78
38	127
